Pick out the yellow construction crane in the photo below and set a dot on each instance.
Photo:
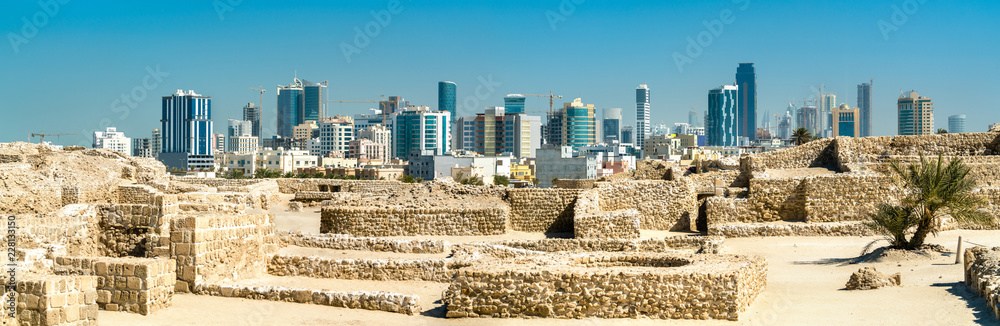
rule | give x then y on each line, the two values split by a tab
41	136
550	96
261	90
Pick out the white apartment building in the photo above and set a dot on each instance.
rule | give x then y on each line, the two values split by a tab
114	140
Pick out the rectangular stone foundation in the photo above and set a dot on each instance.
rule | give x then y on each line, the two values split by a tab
136	285
57	300
982	275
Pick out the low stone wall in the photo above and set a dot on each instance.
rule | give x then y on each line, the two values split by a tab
346	242
382	222
56	300
815	153
310	197
705	244
542	210
432	270
609	285
982	275
291	186
590	222
790	229
211	248
574	183
380	301
847	197
135	285
662	205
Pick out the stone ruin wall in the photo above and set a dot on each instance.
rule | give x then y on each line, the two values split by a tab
430	270
707	244
662	205
379	301
136	285
574	183
384	222
814	153
847	197
591	222
542	210
982	275
212	248
57	300
291	186
346	242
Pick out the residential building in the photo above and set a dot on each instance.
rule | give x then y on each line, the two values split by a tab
464	134
141	148
687	129
283	161
366	149
559	163
252	113
513	103
378	134
156	143
722	123
187	126
429	166
418	129
114	140
447	97
746	81
579	124
611	126
916	114
956	124
641	115
335	136
846	123
865	107
219	141
523	171
497	133
242	144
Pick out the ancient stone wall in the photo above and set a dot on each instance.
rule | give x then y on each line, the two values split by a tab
982	275
291	186
812	154
211	248
431	270
662	205
801	229
590	222
380	301
136	285
847	197
57	300
382	222
574	183
706	244
346	242
542	210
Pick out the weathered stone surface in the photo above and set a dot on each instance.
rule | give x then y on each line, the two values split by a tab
867	278
982	275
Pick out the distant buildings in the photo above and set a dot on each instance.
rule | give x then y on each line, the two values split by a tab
641	115
392	105
579	124
746	81
156	143
447	97
377	133
141	148
916	114
219	143
721	124
628	135
865	107
956	124
693	118
498	133
114	140
513	103
240	138
827	103
252	113
418	129
559	163
808	117
299	102
785	126
305	130
187	127
554	128
335	136
846	121
366	149
611	125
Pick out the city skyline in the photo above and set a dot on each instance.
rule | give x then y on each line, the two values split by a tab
116	71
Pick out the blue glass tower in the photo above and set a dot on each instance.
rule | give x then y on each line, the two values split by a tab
312	101
746	79
289	104
721	125
186	126
446	97
513	103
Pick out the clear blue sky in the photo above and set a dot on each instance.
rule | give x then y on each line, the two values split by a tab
68	75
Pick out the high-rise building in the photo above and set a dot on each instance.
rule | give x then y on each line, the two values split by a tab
418	130
240	128
916	114
289	104
865	106
693	118
579	124
808	117
335	135
828	102
627	134
956	124
378	135
846	123
305	130
513	103
219	143
554	127
114	140
156	143
722	125
641	115
240	138
392	105
251	113
313	101
447	97
464	134
187	127
746	80
142	148
611	125
497	133
785	126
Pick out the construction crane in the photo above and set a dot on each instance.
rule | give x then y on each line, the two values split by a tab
261	90
550	96
379	102
41	136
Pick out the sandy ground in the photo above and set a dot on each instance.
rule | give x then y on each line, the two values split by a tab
806	277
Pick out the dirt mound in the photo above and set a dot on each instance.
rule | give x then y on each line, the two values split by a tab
886	254
868	278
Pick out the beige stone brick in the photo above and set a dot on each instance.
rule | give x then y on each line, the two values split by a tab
57	300
101	268
71	314
103	296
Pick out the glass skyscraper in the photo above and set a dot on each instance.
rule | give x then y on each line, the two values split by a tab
299	102
721	125
313	101
513	103
865	107
746	80
956	124
447	97
611	125
641	115
186	127
252	113
579	124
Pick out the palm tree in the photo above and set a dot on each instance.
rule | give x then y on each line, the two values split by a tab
801	136
942	131
937	190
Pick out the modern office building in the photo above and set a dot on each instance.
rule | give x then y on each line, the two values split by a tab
240	138
114	140
746	80
289	104
219	143
554	128
808	117
641	114
846	123
464	134
187	126
156	143
828	102
693	118
306	130
313	101
141	148
251	113
916	114
335	136
447	97
956	124
497	133
240	128
628	133
392	105
865	106
420	130
722	125
513	103
785	126
611	125
579	124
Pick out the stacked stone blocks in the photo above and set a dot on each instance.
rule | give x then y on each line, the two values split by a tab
136	285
